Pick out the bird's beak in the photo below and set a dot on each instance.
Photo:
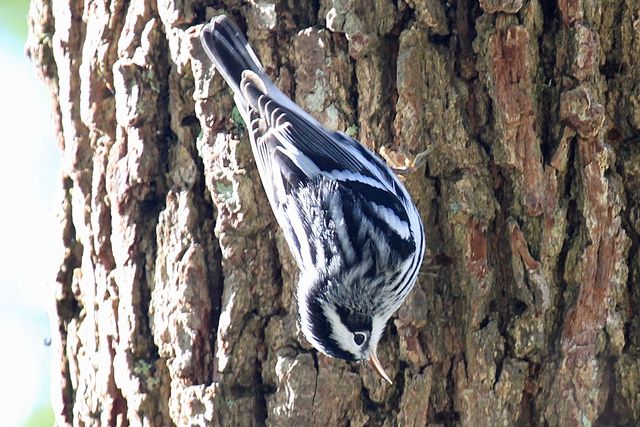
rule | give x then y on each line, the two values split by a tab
375	363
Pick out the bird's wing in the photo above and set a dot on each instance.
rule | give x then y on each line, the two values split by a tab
293	152
286	139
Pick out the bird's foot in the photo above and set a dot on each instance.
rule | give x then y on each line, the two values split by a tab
400	160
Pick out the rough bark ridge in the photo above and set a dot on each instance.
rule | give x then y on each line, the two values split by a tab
174	299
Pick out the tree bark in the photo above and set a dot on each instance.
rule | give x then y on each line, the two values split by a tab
173	304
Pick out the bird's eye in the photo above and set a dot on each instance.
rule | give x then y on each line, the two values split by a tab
358	338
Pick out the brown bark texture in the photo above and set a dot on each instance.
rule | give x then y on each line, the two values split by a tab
174	305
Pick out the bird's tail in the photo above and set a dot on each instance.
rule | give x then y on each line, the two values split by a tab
229	51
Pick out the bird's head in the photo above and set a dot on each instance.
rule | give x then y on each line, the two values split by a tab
344	328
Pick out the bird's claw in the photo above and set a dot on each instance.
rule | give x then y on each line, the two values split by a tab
399	159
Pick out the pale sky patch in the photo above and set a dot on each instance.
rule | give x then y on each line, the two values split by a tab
29	162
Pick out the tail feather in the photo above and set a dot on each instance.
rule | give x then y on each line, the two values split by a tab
229	51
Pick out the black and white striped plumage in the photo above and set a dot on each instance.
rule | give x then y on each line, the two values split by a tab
350	224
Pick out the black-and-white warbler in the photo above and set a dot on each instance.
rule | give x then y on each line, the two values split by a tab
349	223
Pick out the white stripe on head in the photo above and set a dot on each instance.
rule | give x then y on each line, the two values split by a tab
340	333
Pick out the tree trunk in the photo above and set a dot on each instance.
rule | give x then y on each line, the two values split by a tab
174	299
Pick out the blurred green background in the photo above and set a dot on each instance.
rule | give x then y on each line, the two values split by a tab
28	178
13	17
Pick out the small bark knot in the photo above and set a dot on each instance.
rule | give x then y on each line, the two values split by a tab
580	110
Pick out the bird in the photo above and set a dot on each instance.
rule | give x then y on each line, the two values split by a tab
349	222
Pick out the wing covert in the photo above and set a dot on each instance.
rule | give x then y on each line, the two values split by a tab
311	147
